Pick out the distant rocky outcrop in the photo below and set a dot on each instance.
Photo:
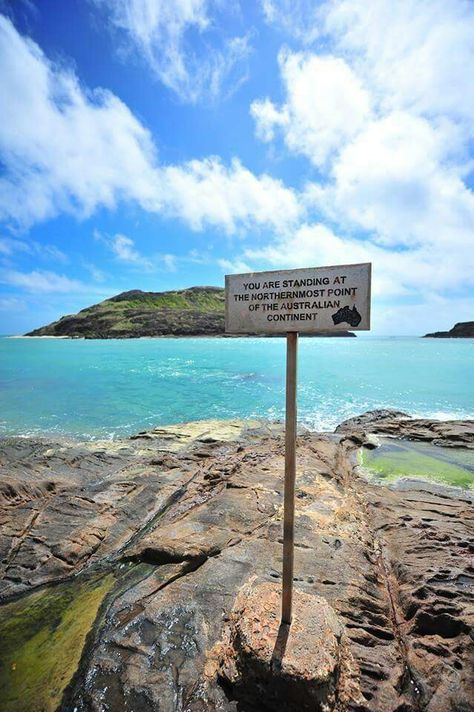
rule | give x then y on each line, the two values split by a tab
461	330
196	311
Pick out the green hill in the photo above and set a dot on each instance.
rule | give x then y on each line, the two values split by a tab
186	312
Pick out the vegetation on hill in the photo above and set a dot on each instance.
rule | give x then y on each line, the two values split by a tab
187	312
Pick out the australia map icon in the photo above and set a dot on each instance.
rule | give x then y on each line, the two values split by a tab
350	316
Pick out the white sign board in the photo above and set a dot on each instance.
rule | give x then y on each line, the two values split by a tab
306	300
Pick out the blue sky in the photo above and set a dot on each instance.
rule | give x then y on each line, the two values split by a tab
156	145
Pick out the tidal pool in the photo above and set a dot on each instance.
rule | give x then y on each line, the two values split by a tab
402	458
42	638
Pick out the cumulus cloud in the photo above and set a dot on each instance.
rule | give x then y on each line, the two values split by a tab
64	149
68	149
393	181
382	106
178	41
207	193
326	106
415	55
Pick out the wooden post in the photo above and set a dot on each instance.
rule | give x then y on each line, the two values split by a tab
290	475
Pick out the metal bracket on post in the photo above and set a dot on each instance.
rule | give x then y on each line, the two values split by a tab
290	476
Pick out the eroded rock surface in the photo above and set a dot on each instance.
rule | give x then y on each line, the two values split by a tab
64	506
203	518
448	433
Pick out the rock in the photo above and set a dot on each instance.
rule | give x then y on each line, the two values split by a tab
371	442
186	518
305	666
370	419
448	433
461	330
67	506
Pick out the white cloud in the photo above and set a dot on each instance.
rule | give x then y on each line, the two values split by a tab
326	106
11	246
383	107
416	54
434	313
51	128
300	18
124	249
165	34
206	193
392	181
64	149
97	274
41	281
125	252
169	262
234	266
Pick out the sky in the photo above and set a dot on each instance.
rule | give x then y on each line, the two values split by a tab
161	144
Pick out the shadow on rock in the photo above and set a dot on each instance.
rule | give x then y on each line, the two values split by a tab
263	665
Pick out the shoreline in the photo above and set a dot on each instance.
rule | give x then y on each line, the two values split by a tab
184	336
303	427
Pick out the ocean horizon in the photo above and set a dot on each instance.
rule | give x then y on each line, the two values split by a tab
113	388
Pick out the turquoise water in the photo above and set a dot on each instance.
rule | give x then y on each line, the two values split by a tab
117	387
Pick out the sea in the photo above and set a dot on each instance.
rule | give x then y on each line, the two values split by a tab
99	389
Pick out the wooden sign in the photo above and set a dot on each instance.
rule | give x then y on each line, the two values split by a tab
304	300
318	299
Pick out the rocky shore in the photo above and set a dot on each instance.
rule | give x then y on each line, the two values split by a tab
144	574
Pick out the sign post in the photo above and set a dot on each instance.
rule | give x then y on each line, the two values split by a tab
314	300
290	475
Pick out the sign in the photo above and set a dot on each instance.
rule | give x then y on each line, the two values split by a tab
312	300
304	300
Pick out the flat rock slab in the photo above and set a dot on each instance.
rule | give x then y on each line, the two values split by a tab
304	666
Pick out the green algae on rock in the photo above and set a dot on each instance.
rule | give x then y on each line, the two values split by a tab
43	636
396	459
